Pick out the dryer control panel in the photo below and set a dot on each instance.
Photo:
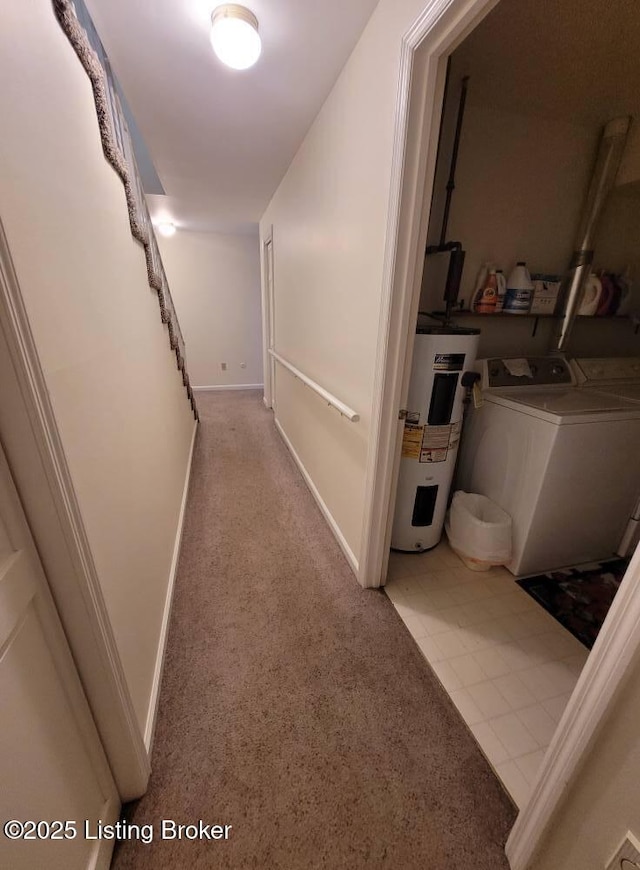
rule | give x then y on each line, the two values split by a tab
531	371
607	370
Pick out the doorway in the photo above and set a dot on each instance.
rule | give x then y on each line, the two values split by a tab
435	36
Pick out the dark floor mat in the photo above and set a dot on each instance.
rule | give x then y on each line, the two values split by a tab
579	598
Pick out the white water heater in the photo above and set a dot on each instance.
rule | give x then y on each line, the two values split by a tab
431	434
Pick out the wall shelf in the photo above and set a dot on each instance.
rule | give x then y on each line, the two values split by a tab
622	318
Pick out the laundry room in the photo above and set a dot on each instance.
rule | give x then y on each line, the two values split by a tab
532	281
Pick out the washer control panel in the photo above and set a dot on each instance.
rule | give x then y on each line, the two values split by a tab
531	371
607	370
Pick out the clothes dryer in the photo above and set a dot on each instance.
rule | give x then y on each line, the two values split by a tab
561	460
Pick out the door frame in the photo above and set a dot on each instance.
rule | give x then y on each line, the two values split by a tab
35	453
441	26
268	317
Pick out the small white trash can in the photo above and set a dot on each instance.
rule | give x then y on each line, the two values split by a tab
479	531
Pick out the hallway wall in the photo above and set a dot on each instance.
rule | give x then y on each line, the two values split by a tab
215	284
118	398
329	218
602	803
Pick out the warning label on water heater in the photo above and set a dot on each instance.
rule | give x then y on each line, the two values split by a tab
437	441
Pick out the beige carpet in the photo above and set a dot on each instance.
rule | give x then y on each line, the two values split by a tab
295	706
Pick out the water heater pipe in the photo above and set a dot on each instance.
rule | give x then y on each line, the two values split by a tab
612	143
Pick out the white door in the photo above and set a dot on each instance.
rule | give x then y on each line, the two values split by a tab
52	766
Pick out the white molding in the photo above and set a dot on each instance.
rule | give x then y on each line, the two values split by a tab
600	682
154	697
104	682
269	386
335	528
215	387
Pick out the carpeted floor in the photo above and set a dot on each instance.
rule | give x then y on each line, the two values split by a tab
295	706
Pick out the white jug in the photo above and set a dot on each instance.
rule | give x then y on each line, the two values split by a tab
591	296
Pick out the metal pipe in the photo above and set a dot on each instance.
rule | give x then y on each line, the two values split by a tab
612	143
451	183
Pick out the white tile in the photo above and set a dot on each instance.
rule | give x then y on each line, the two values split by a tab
539	722
513	735
417	604
431	652
394	593
539	648
450	643
447	676
488	699
513	653
415	626
467	592
478	611
520	602
492	662
441	599
542	684
448	557
466	707
555	706
494	631
514	691
563	675
497	605
530	765
468	669
500	583
489	743
515	782
441	621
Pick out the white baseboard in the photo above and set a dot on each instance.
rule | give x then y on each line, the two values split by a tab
215	387
150	724
346	549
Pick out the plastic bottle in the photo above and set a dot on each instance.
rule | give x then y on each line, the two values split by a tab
487	297
519	293
502	289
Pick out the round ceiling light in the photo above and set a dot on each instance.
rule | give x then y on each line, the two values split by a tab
166	228
234	36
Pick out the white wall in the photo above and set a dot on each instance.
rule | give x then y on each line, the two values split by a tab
117	395
215	284
329	219
603	802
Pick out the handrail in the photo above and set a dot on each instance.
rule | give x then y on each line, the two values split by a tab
345	410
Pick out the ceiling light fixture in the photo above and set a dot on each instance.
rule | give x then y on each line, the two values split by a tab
166	228
234	36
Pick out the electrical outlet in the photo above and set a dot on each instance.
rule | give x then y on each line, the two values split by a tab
627	856
223	366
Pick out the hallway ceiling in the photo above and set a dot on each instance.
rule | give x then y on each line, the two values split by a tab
221	139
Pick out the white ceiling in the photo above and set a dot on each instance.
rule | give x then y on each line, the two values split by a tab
221	140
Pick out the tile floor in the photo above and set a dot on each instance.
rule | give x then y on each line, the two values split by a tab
508	666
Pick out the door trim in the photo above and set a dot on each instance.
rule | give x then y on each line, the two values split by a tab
36	456
267	315
442	25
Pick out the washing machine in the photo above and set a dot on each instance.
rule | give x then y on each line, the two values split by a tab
615	376
561	460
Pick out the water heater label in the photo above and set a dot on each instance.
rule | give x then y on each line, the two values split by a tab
437	441
448	362
412	441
